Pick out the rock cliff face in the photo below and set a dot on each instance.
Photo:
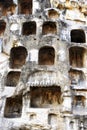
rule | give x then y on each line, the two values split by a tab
43	65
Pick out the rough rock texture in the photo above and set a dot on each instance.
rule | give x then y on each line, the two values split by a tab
43	64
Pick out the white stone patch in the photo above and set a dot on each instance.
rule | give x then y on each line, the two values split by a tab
62	55
33	55
14	27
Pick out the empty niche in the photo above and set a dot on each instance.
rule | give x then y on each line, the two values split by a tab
45	97
32	116
71	124
85	123
25	6
2	26
12	78
29	28
13	107
76	76
78	36
52	119
46	56
49	27
7	7
76	56
53	13
18	56
79	100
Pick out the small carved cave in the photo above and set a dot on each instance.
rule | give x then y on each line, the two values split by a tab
76	76
49	27
29	28
79	100
52	119
7	7
18	56
78	36
25	7
53	14
32	116
2	27
76	56
12	78
13	107
45	97
46	56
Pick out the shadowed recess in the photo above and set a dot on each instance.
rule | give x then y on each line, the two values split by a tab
25	7
18	56
76	56
42	97
29	28
46	56
12	78
7	7
49	27
13	107
2	26
78	36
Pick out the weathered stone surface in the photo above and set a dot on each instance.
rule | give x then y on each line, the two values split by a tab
43	65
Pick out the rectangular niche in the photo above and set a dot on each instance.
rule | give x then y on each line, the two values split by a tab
45	97
13	107
25	6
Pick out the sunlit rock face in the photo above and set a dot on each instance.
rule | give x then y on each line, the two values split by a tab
43	65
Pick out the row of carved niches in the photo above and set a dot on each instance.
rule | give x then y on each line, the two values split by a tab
45	97
7	7
50	27
46	56
12	78
18	57
29	28
13	107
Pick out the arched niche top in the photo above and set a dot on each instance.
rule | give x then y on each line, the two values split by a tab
52	13
76	56
49	27
2	26
78	36
18	56
12	78
7	7
25	6
29	28
46	55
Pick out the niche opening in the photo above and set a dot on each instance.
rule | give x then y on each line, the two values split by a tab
49	27
18	56
45	97
29	28
78	36
76	56
46	56
25	7
13	107
12	78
